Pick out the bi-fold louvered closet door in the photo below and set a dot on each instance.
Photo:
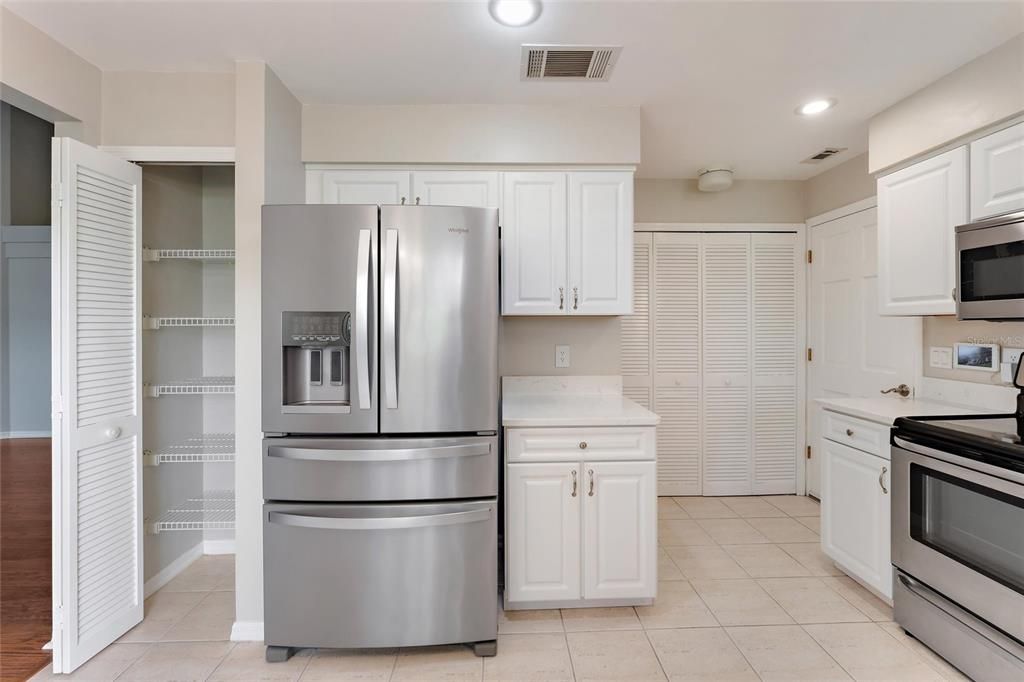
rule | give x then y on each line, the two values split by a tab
712	347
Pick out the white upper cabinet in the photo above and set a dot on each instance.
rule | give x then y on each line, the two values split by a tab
918	209
997	173
601	243
533	244
362	187
455	188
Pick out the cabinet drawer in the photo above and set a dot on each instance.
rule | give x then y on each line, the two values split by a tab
574	444
857	433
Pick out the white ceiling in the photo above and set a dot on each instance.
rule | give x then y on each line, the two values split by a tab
717	82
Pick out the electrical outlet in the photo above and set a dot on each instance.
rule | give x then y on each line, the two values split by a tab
1010	358
561	356
941	357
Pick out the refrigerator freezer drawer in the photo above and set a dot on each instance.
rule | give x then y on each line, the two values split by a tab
379	469
351	576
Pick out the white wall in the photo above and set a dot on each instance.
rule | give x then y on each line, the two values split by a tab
980	93
268	122
747	201
470	134
839	186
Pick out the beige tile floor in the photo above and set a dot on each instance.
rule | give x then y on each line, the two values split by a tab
744	594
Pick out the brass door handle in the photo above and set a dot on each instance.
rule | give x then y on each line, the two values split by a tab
902	390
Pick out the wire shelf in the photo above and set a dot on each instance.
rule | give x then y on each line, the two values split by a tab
149	322
154	255
200	386
207	447
215	510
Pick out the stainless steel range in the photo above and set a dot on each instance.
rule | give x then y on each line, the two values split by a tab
380	417
958	539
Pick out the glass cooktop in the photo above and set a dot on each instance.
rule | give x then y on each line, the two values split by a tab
1001	429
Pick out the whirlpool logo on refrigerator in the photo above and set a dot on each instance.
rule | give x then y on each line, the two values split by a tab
459	230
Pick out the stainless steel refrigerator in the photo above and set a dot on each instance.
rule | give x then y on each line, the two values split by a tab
380	420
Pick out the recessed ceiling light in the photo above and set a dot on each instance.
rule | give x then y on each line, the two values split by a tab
816	106
515	12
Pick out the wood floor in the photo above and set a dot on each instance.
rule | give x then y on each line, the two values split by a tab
24	557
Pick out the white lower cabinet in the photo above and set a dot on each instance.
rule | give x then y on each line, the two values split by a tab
855	514
580	532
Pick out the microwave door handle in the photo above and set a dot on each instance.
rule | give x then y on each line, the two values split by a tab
389	319
364	253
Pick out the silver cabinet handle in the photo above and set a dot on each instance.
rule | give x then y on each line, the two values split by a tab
881	481
389	321
417	201
849	432
386	455
902	390
561	298
403	201
379	523
590	472
574	483
575	298
364	253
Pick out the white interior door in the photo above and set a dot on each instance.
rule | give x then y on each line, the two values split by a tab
856	351
635	332
97	459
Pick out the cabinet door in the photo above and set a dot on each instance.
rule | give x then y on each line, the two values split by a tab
855	513
533	245
455	188
542	521
601	243
918	209
619	530
997	173
364	187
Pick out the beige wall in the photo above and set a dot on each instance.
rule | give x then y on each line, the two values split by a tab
748	201
268	122
527	345
839	186
980	93
46	79
945	331
189	109
471	134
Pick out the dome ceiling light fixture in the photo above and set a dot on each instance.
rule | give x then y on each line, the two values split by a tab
816	106
715	179
514	13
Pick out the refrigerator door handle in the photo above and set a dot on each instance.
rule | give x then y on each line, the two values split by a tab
389	319
379	523
362	325
387	455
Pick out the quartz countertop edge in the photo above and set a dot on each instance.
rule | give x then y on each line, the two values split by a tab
885	410
570	401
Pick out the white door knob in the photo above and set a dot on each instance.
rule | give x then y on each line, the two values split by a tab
112	432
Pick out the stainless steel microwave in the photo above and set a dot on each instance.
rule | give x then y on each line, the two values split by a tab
990	269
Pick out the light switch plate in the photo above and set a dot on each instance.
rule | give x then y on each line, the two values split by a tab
561	356
941	357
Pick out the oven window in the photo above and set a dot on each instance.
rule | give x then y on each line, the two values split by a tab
977	526
992	273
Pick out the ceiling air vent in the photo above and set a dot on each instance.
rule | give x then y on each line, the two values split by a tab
568	62
826	153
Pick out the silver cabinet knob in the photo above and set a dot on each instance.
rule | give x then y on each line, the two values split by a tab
583	445
849	432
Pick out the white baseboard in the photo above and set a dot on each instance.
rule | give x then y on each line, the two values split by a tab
219	546
172	570
4	435
247	631
982	396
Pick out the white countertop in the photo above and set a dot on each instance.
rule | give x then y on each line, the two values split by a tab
885	410
570	401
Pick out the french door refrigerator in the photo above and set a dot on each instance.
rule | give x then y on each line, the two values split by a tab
380	418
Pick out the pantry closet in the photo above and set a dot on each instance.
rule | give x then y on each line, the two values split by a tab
187	365
714	347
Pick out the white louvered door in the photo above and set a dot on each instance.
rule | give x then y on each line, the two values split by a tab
775	263
677	361
97	496
726	340
635	334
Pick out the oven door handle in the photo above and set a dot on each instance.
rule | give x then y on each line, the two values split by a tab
382	455
378	523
